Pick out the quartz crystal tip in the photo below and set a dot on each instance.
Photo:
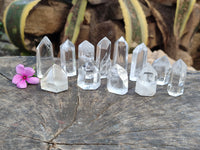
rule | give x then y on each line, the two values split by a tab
146	82
88	76
139	60
120	55
177	79
85	52
44	56
103	56
55	80
68	58
163	68
117	80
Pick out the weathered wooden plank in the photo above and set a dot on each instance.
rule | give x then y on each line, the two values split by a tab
77	119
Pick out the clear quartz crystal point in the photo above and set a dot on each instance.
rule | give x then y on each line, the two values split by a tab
117	80
44	56
85	53
89	76
146	82
177	78
68	58
55	80
139	60
163	68
103	56
120	55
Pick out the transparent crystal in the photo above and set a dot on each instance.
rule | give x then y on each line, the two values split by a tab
139	60
88	76
117	80
163	68
103	56
146	82
68	58
120	55
177	78
85	53
55	79
44	56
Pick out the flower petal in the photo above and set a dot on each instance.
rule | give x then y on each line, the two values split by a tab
17	78
22	84
20	69
33	80
29	72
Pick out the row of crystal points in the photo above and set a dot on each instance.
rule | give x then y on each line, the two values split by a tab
55	78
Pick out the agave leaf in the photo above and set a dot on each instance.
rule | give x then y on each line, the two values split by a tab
183	11
74	20
14	20
135	21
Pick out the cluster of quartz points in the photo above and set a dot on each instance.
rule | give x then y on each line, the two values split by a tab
91	70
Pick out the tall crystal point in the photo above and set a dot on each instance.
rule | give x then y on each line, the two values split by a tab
88	76
120	55
85	53
163	68
103	56
68	58
177	78
139	60
44	56
55	80
146	82
117	80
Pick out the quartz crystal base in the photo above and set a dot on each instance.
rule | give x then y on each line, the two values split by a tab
55	80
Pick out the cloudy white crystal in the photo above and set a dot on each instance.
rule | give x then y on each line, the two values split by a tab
146	82
55	80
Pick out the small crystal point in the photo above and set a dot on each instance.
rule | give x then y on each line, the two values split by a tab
139	60
103	56
85	53
117	80
44	56
68	58
146	82
88	76
163	68
55	80
120	55
177	78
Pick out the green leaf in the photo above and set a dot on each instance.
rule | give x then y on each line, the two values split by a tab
183	11
14	20
135	21
74	20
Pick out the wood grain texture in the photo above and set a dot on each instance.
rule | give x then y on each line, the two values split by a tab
76	119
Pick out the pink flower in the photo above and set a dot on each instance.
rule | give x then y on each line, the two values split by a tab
24	74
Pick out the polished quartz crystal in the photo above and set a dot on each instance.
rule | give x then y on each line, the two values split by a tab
120	55
68	58
177	78
85	53
163	68
88	76
139	60
117	80
103	56
146	82
55	79
44	56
